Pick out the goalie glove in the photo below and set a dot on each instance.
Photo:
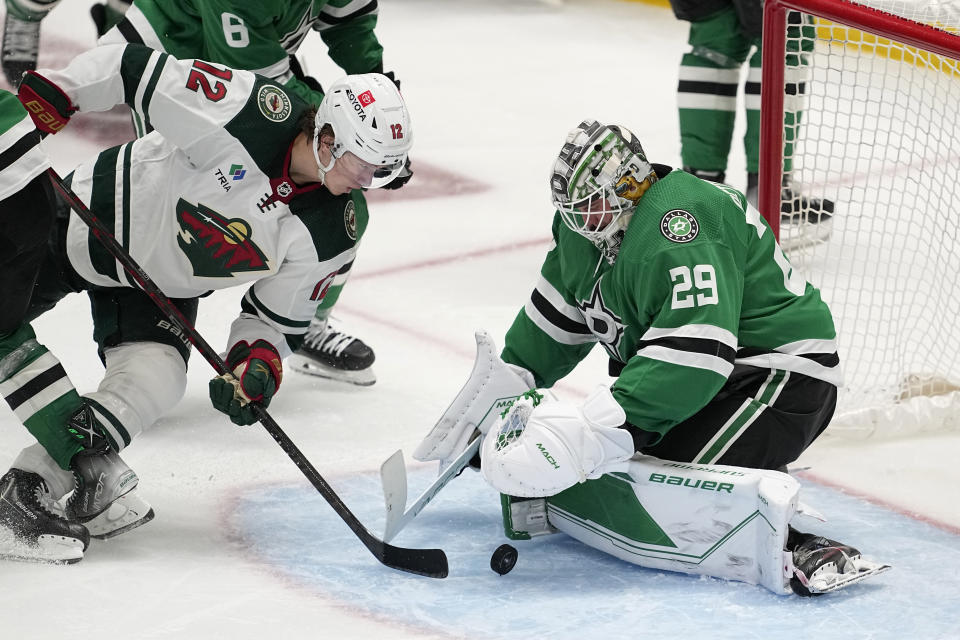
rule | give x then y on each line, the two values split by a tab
492	387
49	107
255	376
538	449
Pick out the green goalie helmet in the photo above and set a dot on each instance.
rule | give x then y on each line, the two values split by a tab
600	174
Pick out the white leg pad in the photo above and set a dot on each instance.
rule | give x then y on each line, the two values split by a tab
143	381
715	520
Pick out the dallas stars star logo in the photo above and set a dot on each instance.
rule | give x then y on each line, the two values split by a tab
679	226
602	322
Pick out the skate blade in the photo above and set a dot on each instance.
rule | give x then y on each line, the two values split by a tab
793	237
833	582
49	549
127	512
362	378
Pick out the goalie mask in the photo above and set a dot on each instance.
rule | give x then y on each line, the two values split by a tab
370	124
598	178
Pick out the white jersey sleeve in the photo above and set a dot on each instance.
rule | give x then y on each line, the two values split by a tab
185	100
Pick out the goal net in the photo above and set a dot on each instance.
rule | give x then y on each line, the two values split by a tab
860	176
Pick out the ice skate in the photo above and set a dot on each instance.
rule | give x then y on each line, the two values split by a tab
104	498
30	528
329	353
804	221
822	565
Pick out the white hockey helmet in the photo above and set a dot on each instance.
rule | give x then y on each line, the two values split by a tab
598	177
370	120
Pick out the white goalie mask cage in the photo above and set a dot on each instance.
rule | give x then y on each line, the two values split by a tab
599	176
370	120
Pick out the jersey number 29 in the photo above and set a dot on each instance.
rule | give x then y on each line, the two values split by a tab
704	279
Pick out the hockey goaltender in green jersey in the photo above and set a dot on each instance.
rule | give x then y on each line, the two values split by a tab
726	369
240	184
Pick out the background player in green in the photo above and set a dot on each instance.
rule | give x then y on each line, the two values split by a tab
239	184
723	354
262	37
724	34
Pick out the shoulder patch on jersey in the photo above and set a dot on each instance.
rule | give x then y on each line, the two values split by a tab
678	225
350	220
274	103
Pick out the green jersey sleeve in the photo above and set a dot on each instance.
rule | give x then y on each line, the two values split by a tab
550	335
347	28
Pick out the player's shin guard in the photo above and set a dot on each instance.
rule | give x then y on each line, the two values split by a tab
142	381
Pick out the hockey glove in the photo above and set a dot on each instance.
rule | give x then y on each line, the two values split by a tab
256	375
48	106
538	449
402	178
393	78
493	386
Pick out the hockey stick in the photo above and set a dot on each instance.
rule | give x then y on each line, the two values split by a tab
425	562
393	476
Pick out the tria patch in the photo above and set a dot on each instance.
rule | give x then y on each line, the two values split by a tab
678	225
274	103
350	220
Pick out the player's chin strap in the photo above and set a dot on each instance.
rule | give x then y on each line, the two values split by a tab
322	171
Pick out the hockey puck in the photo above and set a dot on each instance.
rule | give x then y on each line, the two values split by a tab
503	559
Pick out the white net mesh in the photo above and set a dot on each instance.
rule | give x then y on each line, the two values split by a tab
879	135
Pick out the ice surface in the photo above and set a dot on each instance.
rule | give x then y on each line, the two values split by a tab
243	548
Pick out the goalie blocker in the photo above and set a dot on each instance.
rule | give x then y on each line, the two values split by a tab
643	515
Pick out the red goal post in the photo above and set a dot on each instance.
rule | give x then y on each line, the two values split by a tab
864	96
858	16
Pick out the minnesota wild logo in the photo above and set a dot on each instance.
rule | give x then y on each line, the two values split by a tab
274	103
217	247
350	220
679	226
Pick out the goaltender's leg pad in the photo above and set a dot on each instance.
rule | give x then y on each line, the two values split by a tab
715	520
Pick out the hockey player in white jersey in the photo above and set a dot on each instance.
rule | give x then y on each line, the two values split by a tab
239	184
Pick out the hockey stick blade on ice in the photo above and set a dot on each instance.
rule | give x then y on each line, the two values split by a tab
393	476
425	562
